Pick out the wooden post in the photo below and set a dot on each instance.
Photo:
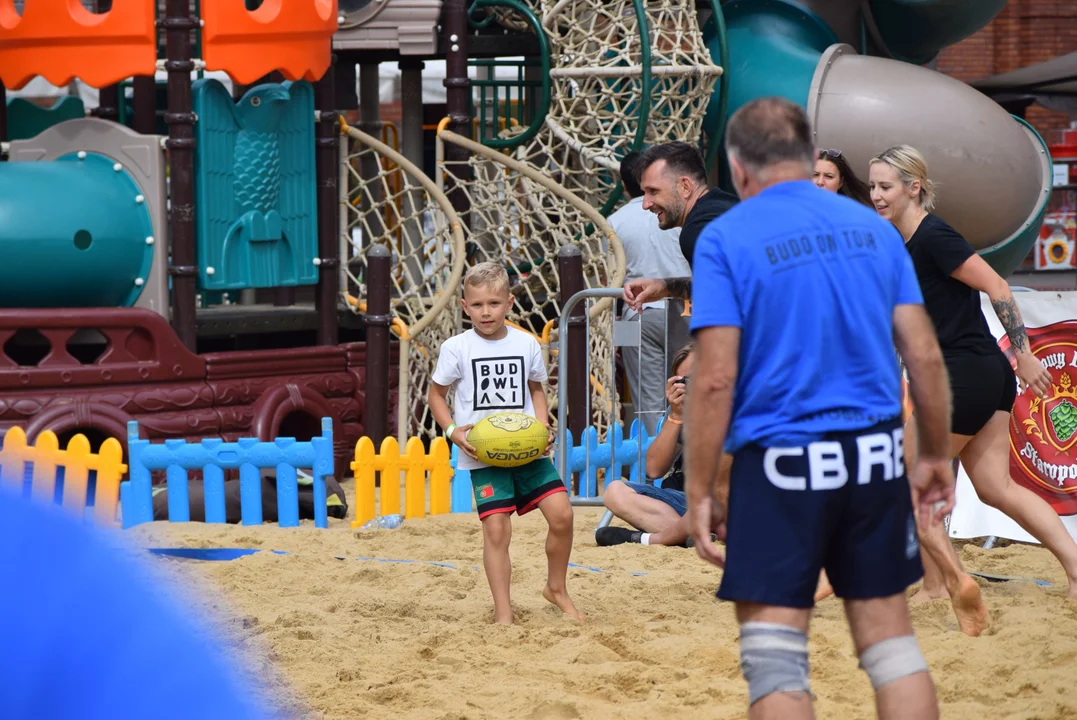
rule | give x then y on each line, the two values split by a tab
377	344
178	25
325	299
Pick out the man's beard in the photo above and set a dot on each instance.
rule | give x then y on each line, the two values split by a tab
671	217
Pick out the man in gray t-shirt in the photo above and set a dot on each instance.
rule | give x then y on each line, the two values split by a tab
650	252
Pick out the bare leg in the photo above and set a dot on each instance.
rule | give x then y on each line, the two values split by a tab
641	512
872	621
673	534
986	460
943	574
824	589
496	534
558	513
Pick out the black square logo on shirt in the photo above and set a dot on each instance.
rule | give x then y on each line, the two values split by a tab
499	383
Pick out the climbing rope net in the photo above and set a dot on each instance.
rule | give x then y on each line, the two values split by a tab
386	200
626	74
520	219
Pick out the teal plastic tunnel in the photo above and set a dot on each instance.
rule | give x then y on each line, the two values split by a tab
993	170
74	232
773	50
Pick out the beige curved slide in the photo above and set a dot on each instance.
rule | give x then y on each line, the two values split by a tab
993	171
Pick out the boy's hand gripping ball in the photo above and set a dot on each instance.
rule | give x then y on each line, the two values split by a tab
508	439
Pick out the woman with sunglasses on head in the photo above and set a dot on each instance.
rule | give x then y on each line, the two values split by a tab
833	173
982	381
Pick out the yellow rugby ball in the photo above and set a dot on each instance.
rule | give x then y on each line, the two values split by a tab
508	439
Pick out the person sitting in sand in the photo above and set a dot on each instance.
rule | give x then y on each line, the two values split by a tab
657	512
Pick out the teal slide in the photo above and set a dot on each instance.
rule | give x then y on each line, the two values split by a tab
859	75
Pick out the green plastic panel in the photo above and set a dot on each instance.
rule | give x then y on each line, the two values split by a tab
1007	255
774	47
26	120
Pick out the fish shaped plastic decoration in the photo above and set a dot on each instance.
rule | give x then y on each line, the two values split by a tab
255	188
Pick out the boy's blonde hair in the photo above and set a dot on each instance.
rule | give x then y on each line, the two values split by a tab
910	165
487	274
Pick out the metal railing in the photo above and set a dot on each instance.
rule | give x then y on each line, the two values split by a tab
562	385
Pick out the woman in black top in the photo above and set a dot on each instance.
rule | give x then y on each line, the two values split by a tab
982	381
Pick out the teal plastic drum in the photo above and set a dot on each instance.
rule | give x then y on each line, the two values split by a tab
74	232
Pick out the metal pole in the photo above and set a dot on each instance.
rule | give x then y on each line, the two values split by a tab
377	344
562	370
454	40
370	123
411	147
108	103
178	25
3	119
145	104
325	299
570	276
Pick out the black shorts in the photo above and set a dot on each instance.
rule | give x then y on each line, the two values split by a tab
841	503
981	385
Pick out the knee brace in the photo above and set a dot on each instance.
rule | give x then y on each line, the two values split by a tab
892	659
773	658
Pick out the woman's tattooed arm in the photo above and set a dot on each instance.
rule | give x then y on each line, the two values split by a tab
1010	317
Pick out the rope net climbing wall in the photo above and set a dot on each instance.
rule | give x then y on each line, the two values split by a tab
385	200
626	74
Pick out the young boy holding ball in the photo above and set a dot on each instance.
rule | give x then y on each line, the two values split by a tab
495	368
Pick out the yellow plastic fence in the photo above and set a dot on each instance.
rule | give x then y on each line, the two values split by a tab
415	463
77	461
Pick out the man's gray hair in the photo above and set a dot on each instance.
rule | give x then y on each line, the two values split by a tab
768	131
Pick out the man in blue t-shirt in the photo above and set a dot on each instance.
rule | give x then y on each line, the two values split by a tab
801	298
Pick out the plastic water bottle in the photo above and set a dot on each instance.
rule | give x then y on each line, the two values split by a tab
387	522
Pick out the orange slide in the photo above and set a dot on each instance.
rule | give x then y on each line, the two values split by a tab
61	40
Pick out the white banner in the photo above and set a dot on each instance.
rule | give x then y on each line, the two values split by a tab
1043	432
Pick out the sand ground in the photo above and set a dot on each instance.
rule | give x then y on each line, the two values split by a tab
332	638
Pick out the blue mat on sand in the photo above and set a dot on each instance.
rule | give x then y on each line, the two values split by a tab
224	554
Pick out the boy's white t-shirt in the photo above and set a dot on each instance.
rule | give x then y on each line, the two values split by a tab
489	376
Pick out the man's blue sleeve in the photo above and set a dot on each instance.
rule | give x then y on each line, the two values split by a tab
714	296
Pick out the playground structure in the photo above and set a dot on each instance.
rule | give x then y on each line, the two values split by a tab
242	278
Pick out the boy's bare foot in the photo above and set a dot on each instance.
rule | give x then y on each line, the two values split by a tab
1072	594
969	607
503	618
563	601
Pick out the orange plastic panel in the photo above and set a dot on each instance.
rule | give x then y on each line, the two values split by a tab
61	40
293	36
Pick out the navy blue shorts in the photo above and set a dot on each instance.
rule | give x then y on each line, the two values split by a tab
841	503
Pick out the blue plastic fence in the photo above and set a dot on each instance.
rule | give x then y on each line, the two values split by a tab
213	457
618	456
